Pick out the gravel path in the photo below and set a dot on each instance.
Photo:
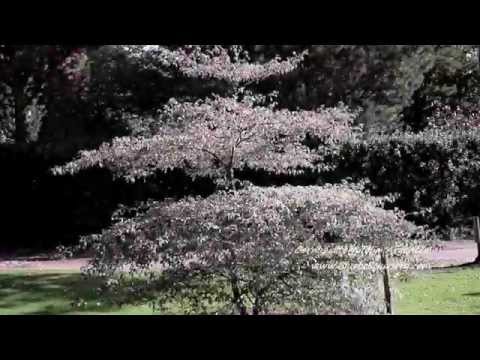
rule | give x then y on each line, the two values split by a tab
456	252
453	253
34	263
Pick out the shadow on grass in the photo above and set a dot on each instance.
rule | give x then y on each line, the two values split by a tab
31	293
48	294
473	294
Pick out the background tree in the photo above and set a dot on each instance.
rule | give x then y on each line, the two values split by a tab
379	79
396	86
52	84
449	90
28	74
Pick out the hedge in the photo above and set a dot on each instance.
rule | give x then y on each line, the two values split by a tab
435	173
41	211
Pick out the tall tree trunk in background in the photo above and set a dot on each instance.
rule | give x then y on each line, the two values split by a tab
50	120
478	54
21	126
18	84
13	76
60	92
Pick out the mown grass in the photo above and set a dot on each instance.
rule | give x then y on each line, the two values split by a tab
53	292
445	292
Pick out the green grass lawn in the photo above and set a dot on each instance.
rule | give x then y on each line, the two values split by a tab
52	293
446	292
47	292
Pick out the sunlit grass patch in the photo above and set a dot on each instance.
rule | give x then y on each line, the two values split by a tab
447	292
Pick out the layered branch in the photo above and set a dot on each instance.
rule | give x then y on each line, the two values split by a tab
212	137
215	62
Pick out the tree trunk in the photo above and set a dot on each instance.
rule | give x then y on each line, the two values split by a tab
256	307
237	298
230	178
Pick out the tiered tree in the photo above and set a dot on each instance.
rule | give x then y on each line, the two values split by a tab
245	249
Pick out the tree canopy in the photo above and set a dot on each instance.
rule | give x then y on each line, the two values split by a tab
253	250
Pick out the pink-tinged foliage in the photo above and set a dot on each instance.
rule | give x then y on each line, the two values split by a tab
295	249
446	118
214	62
75	70
254	250
214	136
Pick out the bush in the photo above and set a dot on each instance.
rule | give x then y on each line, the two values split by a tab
435	173
258	250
